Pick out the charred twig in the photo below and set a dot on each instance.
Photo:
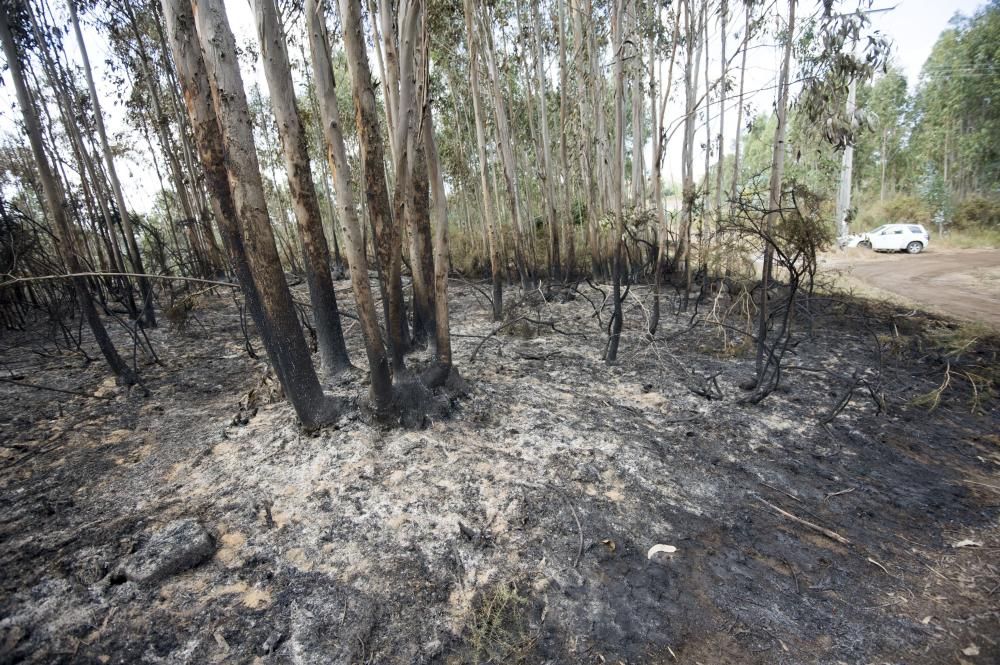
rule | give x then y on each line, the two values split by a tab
833	535
478	290
833	494
788	494
843	400
795	577
50	388
579	528
496	331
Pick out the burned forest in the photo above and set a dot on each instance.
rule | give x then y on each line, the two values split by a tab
449	331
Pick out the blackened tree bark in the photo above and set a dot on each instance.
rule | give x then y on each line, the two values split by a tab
386	231
442	348
329	335
354	244
292	362
618	168
55	200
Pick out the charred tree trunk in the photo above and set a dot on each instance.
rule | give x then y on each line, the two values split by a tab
316	252
618	168
233	135
56	202
145	286
354	244
442	331
386	232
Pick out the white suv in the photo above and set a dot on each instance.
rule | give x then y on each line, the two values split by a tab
912	238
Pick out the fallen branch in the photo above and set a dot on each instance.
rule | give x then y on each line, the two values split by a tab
833	535
496	331
72	275
50	388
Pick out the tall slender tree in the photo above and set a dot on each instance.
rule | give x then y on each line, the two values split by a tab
381	382
287	346
330	336
55	197
145	286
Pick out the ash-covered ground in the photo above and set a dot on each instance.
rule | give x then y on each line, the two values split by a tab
198	524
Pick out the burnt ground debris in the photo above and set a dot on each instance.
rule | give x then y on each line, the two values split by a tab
516	528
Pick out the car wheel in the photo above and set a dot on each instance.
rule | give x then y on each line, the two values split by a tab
915	247
865	244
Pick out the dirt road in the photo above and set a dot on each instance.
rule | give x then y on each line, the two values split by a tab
961	283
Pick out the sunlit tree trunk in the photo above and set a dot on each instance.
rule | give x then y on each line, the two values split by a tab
659	146
546	166
638	101
354	244
566	188
723	20
316	252
293	364
489	212
442	331
692	32
739	108
505	143
586	152
200	247
417	205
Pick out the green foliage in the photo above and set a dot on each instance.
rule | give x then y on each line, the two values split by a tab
834	50
894	210
956	111
879	154
977	212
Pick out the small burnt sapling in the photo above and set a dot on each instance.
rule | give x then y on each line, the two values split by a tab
793	236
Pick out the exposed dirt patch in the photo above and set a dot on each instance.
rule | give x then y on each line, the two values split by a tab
959	283
517	529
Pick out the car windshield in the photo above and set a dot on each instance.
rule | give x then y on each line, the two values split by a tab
881	228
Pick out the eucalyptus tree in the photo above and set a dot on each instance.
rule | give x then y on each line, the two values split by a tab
618	185
659	147
385	218
329	334
505	146
72	108
880	148
956	124
336	153
12	19
488	210
588	115
693	43
145	286
748	6
214	83
546	166
134	34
